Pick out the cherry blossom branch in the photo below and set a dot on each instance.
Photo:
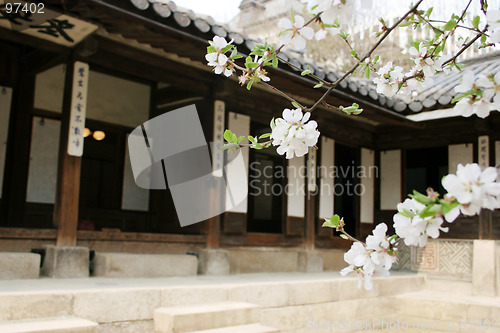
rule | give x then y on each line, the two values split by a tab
367	55
465	47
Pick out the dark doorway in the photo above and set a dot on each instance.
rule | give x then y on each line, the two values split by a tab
346	199
425	168
266	188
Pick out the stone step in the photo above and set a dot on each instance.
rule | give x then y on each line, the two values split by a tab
19	265
252	328
144	265
49	325
190	318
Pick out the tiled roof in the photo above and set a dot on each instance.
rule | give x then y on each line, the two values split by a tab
438	95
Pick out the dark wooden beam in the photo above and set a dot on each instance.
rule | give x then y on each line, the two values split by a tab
68	175
310	220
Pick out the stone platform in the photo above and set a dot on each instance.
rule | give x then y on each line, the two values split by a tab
266	302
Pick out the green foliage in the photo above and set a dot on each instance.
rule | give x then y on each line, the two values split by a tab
353	109
334	222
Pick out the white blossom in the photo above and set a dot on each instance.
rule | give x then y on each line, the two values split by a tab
380	245
490	84
493	18
413	229
389	79
427	65
324	30
295	32
294	133
218	59
473	189
360	262
484	98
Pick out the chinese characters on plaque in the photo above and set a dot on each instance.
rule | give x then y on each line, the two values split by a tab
218	139
483	152
78	108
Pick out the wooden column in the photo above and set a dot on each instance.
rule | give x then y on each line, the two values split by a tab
486	224
68	175
217	193
310	220
312	190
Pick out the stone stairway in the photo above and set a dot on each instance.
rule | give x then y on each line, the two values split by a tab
49	325
221	317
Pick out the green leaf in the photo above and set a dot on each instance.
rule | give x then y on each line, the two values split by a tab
450	25
230	146
234	138
251	64
228	135
475	22
404	24
431	210
251	139
344	236
447	206
296	105
266	135
429	11
272	124
306	71
275	62
319	85
249	84
211	49
241	138
333	222
257	146
483	39
227	48
422	198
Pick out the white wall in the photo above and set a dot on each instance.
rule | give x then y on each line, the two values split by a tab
460	153
326	178
239	124
368	174
110	99
5	103
296	189
390	179
42	174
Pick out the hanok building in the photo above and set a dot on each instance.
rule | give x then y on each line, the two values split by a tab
125	62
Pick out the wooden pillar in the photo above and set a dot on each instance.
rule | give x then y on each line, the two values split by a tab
310	220
68	174
312	190
217	195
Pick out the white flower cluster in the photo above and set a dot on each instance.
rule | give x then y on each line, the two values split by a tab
295	32
474	189
481	95
217	58
294	134
374	258
427	65
414	229
330	10
389	79
493	18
